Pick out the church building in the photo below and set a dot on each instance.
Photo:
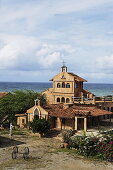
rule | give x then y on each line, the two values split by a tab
66	87
69	105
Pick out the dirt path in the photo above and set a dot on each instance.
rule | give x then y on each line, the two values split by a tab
45	156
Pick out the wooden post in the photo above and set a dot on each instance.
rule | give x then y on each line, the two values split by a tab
85	123
75	123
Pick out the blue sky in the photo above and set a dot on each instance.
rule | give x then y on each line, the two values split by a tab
36	35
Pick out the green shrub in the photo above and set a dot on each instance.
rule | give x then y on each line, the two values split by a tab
75	141
87	146
6	124
66	135
105	148
41	126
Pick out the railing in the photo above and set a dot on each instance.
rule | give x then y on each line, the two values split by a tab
93	100
104	98
77	99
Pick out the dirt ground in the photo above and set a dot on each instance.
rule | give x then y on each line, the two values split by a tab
44	155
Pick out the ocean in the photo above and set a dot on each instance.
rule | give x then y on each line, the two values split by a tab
97	89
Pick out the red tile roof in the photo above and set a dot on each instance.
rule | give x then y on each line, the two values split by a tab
59	111
2	94
77	78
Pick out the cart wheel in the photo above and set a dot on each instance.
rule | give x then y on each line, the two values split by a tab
14	155
25	156
26	149
15	149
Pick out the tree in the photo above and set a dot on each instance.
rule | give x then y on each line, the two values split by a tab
18	102
41	126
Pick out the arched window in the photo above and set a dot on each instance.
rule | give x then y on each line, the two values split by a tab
67	85
67	100
63	100
63	85
58	85
36	114
58	99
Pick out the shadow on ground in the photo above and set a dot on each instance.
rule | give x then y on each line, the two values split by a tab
5	142
53	133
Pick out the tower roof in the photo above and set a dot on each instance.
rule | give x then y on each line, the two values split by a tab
76	77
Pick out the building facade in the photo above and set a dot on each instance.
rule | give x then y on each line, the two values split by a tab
63	111
66	87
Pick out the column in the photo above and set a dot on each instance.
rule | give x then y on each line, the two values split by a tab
112	98
58	123
75	123
82	99
93	99
85	124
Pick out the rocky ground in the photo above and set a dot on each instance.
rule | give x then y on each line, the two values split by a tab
44	155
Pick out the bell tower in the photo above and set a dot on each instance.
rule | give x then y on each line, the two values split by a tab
63	68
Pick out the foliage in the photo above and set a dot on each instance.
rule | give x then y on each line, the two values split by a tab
6	124
95	146
87	146
66	135
74	141
105	148
41	126
18	102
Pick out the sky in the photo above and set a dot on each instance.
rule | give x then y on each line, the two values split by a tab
37	35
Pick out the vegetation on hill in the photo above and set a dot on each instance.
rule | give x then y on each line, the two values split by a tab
18	102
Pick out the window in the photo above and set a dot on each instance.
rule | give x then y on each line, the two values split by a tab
36	114
111	109
58	99
23	120
63	85
63	100
67	100
76	85
36	117
58	85
67	85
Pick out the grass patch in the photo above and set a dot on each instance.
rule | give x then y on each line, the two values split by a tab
17	131
70	151
77	155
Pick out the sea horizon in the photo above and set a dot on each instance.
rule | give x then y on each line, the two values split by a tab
98	89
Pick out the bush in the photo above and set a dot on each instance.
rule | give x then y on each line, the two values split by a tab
75	141
66	135
105	148
41	126
101	147
86	145
6	124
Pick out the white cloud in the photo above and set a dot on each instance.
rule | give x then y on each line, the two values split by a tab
105	63
49	60
25	52
39	34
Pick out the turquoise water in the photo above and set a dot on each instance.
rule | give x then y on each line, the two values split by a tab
97	89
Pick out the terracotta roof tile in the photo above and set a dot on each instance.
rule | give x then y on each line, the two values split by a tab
2	94
77	77
59	111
